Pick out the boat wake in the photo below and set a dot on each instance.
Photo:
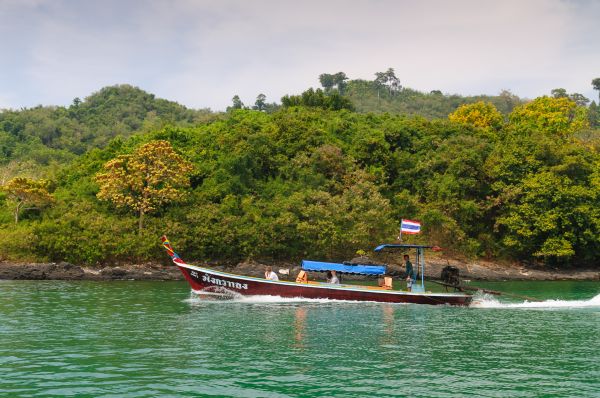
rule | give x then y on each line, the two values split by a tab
222	295
197	297
489	301
480	300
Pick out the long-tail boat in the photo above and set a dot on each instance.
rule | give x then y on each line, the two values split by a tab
206	281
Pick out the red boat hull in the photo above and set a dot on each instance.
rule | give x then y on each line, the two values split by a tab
203	280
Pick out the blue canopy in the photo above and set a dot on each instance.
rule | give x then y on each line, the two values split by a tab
308	265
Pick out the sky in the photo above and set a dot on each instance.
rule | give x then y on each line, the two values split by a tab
202	53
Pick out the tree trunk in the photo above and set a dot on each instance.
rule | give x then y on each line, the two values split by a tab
141	222
17	212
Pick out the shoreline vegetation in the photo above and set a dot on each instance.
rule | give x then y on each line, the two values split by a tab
326	174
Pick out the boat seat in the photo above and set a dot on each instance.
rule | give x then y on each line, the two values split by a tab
302	277
385	282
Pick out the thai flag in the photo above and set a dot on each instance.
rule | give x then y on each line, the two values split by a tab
410	227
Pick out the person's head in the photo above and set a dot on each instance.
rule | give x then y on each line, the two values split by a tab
268	269
333	273
406	257
329	274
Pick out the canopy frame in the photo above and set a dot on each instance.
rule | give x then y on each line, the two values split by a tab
420	259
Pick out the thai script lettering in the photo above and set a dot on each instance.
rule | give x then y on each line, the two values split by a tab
222	282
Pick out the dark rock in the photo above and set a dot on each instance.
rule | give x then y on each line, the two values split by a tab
113	273
65	271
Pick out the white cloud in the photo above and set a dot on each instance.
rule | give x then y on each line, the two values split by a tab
202	53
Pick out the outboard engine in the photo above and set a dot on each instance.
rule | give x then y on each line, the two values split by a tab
451	275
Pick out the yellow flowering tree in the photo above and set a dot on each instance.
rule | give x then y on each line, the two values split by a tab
150	177
560	116
23	191
480	114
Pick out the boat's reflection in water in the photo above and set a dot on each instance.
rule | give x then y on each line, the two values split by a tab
299	327
387	317
388	324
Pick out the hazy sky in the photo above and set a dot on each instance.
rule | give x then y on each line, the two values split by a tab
201	53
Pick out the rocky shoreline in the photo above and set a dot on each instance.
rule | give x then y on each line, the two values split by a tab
477	270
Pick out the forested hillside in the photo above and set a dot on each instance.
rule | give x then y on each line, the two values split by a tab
311	179
38	140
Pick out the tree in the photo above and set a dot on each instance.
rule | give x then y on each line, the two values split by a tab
318	99
559	93
327	81
339	79
596	85
389	80
151	176
552	216
260	103
579	99
594	115
559	116
25	191
237	102
381	78
480	114
508	101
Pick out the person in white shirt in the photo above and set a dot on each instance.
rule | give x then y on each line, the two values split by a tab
332	278
270	275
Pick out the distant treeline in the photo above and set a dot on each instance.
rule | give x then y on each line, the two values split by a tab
326	173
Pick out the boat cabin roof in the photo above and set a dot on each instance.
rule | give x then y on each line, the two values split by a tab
401	246
362	269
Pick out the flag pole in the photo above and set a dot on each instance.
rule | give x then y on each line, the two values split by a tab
400	236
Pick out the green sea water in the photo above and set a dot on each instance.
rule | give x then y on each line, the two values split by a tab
156	339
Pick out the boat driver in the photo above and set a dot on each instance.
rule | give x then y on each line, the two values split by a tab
270	275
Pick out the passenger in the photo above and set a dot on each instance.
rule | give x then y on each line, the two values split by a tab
270	275
332	278
410	273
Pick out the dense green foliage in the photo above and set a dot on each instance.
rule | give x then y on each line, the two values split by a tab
332	100
370	96
318	180
37	140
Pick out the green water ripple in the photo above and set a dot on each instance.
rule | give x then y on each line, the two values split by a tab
148	339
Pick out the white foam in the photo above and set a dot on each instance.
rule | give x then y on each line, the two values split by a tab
488	301
227	296
203	298
479	300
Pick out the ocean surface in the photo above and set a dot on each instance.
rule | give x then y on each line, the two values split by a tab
157	339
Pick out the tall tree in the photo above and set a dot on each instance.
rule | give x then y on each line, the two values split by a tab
389	80
559	93
237	102
596	85
327	81
339	79
260	102
24	191
594	115
508	100
151	176
579	99
381	78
